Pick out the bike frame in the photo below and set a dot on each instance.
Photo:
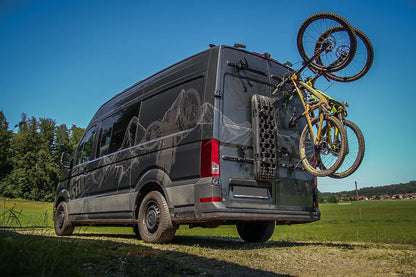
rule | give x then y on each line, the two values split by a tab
321	101
310	106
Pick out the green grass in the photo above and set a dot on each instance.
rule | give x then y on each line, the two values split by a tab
380	221
34	255
19	213
341	239
387	221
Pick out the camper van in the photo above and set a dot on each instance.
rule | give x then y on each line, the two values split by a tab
204	142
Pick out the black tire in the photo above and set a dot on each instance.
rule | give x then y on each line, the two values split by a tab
326	157
136	230
256	231
356	149
309	36
154	222
361	63
63	227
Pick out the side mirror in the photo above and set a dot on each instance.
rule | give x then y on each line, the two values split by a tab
66	159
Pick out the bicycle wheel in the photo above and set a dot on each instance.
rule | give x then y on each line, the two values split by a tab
327	156
361	63
356	147
342	44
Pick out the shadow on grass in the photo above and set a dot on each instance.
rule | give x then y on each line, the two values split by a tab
229	243
238	244
48	256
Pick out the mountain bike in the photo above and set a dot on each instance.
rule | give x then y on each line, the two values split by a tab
355	138
351	53
359	66
324	143
317	30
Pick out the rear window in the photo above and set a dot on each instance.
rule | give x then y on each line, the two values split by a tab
238	92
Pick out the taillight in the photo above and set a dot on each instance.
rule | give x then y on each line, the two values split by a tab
210	158
210	199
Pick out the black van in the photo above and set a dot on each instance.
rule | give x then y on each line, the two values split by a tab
203	142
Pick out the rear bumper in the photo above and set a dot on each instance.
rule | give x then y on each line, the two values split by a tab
282	216
209	212
205	201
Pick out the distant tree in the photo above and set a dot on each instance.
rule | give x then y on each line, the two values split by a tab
5	139
34	157
332	198
321	197
75	136
409	187
62	134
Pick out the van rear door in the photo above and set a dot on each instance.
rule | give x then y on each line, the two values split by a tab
285	179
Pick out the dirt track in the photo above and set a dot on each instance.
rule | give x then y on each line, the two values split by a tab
304	258
213	256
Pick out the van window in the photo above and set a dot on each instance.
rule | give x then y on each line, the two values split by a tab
105	138
237	97
173	110
238	91
84	152
118	131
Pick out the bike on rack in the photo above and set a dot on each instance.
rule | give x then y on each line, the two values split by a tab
355	138
329	144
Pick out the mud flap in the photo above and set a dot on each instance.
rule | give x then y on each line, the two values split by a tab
264	138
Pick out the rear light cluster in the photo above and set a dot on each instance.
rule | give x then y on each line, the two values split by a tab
210	158
210	199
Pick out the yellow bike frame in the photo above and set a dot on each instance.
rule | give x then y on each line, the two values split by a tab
322	104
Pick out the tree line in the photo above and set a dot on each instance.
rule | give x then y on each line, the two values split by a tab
30	158
402	188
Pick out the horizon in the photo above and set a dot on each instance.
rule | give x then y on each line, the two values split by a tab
371	187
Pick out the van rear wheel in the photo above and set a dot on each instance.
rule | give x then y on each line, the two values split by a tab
256	231
154	222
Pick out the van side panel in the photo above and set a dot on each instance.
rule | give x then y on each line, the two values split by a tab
163	134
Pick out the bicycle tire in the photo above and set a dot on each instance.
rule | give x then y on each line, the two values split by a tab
312	155
356	147
361	63
309	34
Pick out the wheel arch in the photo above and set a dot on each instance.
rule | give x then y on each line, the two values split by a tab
153	180
62	195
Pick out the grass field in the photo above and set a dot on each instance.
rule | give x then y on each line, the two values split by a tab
384	221
382	241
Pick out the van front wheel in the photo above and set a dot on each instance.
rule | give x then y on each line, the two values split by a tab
256	231
63	227
154	222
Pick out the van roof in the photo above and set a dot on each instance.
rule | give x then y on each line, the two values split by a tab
108	107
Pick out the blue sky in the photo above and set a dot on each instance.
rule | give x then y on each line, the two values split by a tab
64	59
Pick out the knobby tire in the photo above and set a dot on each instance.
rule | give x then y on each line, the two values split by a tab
312	156
324	21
